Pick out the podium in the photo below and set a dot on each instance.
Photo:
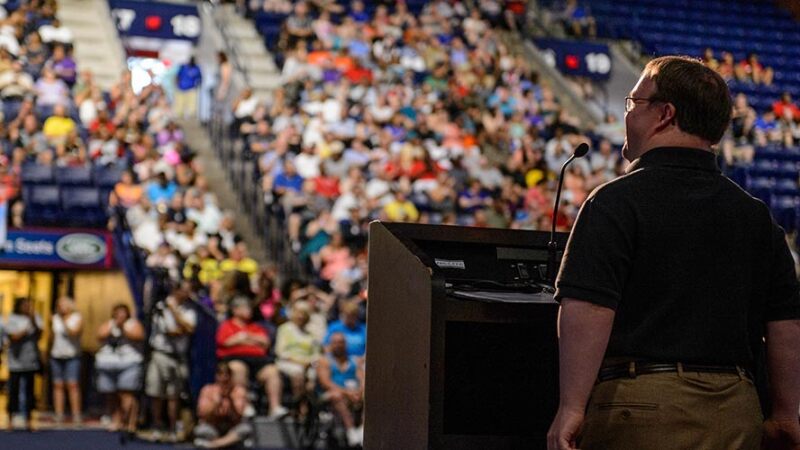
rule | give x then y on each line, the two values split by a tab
461	344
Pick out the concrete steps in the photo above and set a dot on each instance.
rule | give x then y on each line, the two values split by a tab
96	42
197	139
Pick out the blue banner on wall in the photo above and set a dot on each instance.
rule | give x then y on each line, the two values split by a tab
57	249
577	58
156	20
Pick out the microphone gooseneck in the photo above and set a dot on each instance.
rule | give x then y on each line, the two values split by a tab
552	248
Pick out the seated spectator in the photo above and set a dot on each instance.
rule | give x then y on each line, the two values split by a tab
127	192
727	66
173	324
245	346
709	60
202	266
118	364
187	239
65	359
786	109
207	214
400	209
28	140
612	129
353	330
288	181
64	65
268	296
15	83
58	126
296	348
51	90
578	21
473	198
298	24
341	380
23	328
239	261
71	152
605	163
738	139
751	70
55	32
333	257
161	189
35	53
767	129
222	412
164	259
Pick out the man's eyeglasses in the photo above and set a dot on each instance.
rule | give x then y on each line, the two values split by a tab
630	102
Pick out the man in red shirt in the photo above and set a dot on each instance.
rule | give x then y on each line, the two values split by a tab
245	345
785	108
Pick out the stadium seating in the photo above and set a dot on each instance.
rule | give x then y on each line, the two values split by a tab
689	27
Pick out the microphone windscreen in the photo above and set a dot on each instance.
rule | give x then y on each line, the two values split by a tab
582	150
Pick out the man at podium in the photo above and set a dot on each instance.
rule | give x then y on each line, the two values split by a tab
672	278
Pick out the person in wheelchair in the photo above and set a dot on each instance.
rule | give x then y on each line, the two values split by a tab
340	381
222	412
245	345
296	347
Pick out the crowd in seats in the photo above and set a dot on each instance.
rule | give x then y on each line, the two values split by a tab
753	46
428	117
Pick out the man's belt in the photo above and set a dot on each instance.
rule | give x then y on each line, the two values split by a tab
633	369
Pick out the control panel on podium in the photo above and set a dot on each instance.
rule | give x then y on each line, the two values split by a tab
461	344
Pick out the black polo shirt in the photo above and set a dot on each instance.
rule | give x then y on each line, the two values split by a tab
693	265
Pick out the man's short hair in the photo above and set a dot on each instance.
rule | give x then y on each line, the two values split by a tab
701	97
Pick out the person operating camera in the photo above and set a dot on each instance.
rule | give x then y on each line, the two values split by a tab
173	323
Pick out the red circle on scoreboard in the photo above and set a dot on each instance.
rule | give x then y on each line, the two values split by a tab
572	61
152	23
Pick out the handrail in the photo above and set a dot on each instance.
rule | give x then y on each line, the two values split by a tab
251	197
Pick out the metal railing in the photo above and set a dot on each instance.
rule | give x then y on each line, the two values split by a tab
242	172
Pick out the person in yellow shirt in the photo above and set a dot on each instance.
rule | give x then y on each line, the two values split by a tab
58	126
401	209
206	266
238	260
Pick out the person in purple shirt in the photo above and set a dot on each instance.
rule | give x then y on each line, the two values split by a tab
473	198
64	65
357	12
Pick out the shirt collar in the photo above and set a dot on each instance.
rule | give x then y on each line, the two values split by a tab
681	157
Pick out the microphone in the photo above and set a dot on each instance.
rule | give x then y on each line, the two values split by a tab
580	151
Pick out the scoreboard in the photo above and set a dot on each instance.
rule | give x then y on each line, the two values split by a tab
585	59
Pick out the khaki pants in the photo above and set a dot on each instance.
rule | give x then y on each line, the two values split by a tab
185	106
665	411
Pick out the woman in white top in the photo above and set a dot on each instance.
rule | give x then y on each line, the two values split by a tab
65	358
118	365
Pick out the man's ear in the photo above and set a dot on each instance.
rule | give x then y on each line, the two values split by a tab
666	116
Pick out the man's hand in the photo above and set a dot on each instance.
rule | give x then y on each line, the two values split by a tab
781	434
564	430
